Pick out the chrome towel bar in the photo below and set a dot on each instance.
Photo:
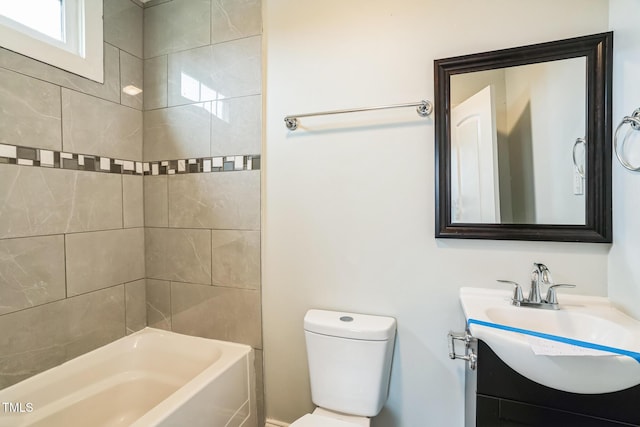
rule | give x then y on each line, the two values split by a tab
424	108
634	121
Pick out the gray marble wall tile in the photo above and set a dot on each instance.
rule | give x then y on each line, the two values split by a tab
110	90
155	82
238	70
225	70
39	201
101	259
178	132
133	199
215	200
189	77
135	296
235	258
42	337
158	304
214	312
176	25
31	272
131	70
156	201
123	25
236	126
94	126
178	254
29	112
233	19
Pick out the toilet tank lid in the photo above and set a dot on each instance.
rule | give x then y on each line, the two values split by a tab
350	325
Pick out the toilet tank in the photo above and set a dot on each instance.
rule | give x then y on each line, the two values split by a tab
349	359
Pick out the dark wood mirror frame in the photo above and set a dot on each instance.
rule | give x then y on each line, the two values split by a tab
598	50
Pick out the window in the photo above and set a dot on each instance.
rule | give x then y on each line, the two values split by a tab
48	21
64	33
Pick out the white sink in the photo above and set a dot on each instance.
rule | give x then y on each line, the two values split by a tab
587	346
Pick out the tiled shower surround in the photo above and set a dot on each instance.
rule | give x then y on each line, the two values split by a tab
121	211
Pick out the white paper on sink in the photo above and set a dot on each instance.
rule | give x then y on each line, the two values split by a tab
544	347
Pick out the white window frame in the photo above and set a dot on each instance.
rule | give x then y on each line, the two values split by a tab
81	52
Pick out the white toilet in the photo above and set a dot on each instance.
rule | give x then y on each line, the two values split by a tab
349	366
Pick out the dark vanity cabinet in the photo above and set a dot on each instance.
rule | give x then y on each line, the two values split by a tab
504	398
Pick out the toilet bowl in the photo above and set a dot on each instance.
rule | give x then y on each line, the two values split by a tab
349	358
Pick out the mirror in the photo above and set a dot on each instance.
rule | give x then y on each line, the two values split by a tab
523	142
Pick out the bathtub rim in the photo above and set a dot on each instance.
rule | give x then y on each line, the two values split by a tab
162	410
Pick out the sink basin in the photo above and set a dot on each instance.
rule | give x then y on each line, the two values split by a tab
587	346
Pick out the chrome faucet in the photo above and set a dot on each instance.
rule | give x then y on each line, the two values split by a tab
540	275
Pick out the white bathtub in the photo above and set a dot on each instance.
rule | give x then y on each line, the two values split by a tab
149	378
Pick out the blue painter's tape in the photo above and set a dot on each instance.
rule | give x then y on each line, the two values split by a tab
634	355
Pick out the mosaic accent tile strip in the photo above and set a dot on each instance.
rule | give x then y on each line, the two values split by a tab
27	156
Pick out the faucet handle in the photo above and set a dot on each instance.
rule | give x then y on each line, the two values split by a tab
517	290
552	298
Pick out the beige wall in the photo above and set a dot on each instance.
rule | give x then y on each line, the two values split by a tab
348	200
71	241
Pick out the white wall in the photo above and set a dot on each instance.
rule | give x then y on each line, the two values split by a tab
624	265
349	200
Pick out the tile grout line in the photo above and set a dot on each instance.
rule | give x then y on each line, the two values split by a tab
124	300
124	50
122	198
119	75
117	104
215	285
210	22
68	298
61	86
68	233
61	122
187	104
211	258
104	230
211	129
245	37
64	248
166	86
170	307
168	205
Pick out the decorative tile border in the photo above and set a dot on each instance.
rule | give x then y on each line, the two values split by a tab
27	156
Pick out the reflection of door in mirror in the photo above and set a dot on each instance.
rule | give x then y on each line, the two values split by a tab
474	169
539	113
